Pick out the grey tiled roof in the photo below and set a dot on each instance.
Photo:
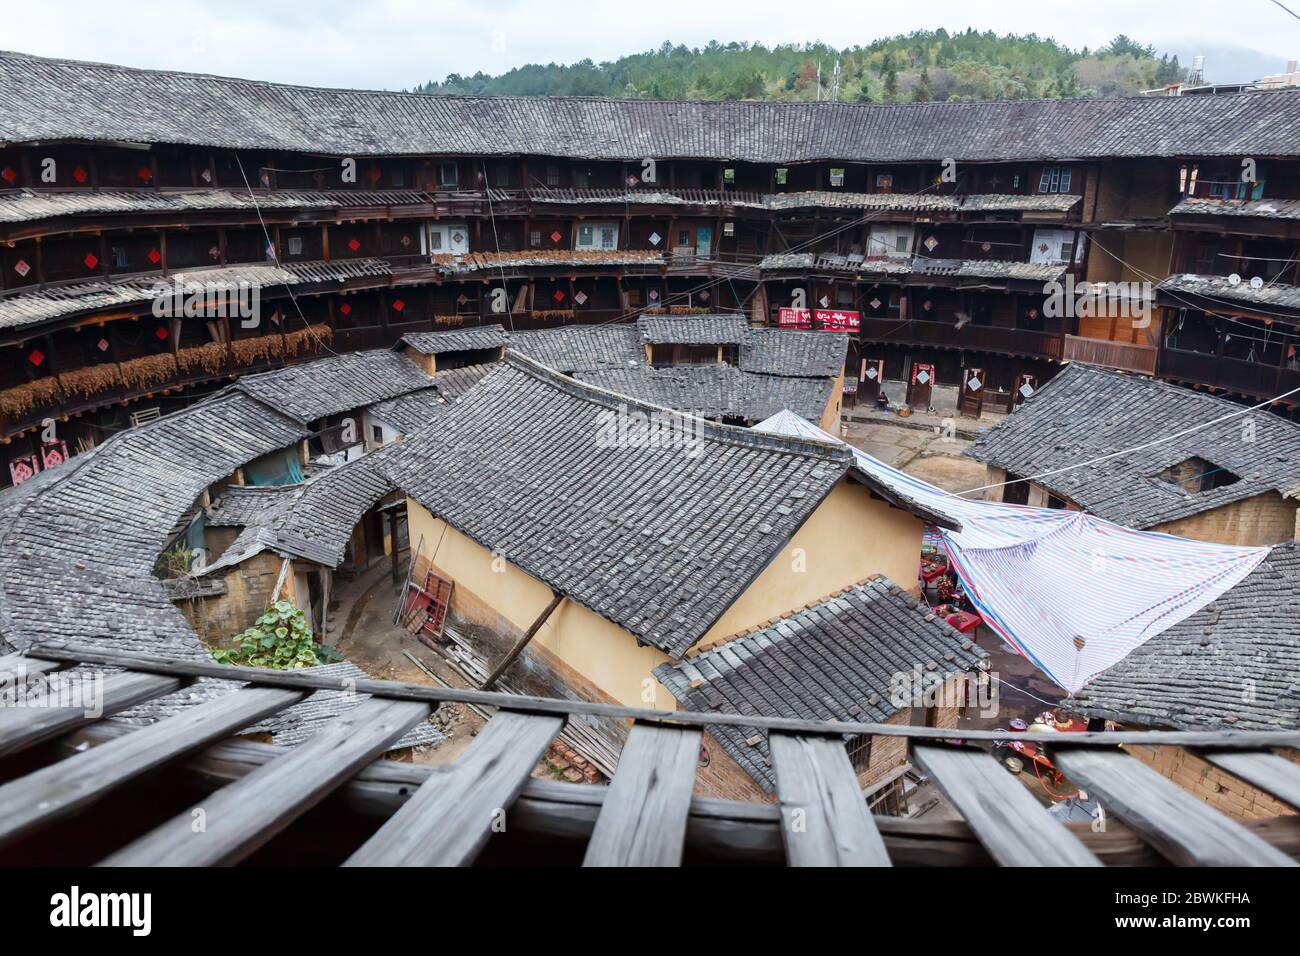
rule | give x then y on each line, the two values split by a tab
839	659
1233	664
892	202
240	505
1011	202
338	383
659	540
1218	287
695	329
28	308
918	266
26	205
795	353
410	412
60	99
1086	412
1244	208
717	391
79	550
581	348
457	340
314	520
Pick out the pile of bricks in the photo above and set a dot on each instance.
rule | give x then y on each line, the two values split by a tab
571	765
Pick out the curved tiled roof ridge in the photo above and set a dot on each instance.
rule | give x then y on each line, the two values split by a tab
53	99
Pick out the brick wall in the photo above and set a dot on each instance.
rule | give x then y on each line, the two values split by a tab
1264	519
1219	789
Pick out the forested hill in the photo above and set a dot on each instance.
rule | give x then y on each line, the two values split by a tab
927	65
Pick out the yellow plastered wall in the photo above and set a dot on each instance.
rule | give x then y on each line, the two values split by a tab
509	600
851	536
830	421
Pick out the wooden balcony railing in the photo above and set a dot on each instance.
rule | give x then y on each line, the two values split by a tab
1234	375
1122	355
986	338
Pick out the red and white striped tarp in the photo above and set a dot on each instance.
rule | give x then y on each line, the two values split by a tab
1073	593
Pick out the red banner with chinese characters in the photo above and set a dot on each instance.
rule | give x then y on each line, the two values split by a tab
837	320
834	320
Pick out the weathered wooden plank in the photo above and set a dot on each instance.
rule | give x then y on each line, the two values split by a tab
824	816
724	830
449	819
1012	825
239	818
31	721
62	788
643	819
1185	830
1269	772
14	666
304	679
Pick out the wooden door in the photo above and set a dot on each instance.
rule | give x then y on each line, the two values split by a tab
919	386
869	379
971	402
1026	385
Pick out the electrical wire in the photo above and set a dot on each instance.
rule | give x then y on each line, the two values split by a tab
275	255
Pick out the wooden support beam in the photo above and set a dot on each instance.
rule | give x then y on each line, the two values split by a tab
824	816
449	819
520	644
643	818
63	788
42	718
1183	828
1005	817
240	818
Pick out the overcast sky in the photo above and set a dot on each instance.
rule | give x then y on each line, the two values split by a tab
395	44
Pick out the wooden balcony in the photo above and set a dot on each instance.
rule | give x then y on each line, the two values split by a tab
1234	375
980	338
1120	355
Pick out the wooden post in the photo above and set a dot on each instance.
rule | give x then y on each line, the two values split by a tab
522	642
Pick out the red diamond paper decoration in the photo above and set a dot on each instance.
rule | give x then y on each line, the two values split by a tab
345	308
354	245
160	332
36	356
145	174
374	174
102	345
22	268
91	260
154	256
398	305
559	296
79	175
9	175
556	236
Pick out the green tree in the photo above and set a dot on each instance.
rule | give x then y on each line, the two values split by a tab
922	92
